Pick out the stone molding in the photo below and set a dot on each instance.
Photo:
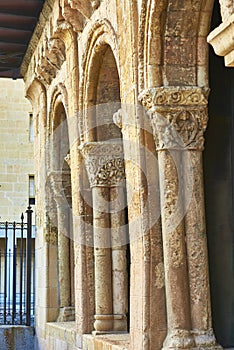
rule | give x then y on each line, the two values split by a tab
178	116
174	96
104	163
58	182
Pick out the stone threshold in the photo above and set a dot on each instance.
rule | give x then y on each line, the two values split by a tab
65	332
106	342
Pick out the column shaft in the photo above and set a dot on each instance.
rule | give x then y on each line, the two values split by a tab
64	257
197	253
119	259
102	256
179	119
176	277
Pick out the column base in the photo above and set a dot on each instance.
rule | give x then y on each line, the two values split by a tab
120	323
179	339
205	339
66	314
110	324
103	323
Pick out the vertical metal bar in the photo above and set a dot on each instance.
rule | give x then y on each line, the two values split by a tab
34	281
21	269
14	276
8	281
5	274
24	278
28	265
0	277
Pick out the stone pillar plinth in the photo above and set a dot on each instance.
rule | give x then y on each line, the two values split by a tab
179	118
105	169
63	244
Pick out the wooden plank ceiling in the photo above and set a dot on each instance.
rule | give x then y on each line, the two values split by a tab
18	19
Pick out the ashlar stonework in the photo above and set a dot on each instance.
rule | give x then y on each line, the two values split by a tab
119	91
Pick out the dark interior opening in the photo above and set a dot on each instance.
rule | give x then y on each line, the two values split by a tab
219	197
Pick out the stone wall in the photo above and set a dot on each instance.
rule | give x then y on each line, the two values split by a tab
16	338
16	151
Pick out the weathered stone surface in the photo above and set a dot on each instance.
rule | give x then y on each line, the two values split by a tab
16	337
129	179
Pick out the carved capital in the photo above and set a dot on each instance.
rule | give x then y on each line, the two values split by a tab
178	116
104	163
174	96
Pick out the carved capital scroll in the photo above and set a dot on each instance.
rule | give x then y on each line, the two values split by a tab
178	116
104	163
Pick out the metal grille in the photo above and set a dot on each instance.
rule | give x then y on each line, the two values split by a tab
17	267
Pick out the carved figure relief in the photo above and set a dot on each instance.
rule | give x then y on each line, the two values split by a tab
178	116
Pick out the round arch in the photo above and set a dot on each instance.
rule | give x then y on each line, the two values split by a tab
100	86
175	49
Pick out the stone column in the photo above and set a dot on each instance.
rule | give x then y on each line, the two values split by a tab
179	119
63	247
105	168
119	259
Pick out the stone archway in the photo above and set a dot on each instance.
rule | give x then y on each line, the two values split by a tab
61	197
104	162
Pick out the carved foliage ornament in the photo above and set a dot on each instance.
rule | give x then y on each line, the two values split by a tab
174	96
178	116
104	163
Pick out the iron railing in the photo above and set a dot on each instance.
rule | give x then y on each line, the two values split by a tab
17	268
